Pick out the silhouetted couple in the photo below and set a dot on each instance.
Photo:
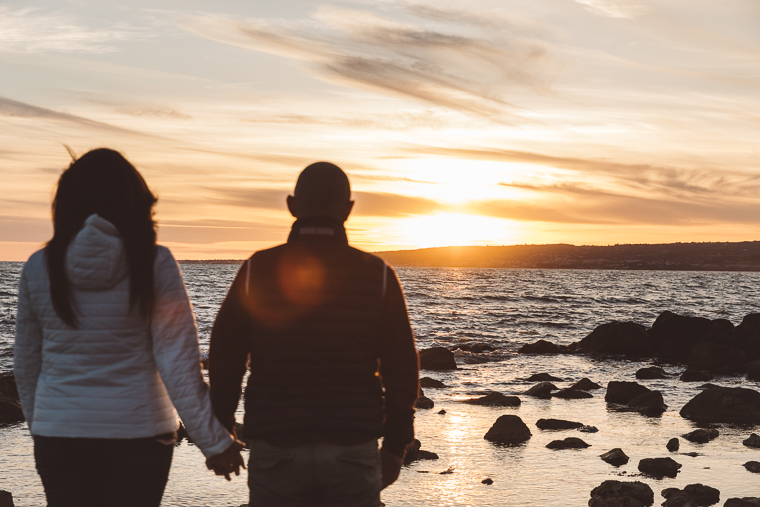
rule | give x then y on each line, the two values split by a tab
107	347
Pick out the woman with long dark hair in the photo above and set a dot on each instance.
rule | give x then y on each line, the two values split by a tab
106	346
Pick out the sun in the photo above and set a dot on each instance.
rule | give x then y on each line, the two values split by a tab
454	229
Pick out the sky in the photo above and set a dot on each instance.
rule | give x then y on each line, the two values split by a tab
486	122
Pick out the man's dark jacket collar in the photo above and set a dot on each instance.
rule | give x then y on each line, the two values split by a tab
309	228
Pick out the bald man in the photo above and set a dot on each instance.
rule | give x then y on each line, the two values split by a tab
333	364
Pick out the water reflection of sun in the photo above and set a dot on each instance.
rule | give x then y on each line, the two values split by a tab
454	229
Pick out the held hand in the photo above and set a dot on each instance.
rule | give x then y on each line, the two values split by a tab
228	461
390	466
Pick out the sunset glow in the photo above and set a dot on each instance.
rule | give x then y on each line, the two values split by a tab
498	122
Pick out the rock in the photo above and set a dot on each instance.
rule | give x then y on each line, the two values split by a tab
543	377
487	481
623	392
542	390
673	445
724	405
415	453
589	429
10	411
508	429
753	370
542	347
424	403
752	441
659	467
675	335
585	384
437	358
707	386
557	424
431	382
701	436
650	373
572	394
619	338
753	466
747	335
442	412
742	502
475	348
637	491
649	404
615	457
495	400
6	498
568	443
695	376
614	501
717	358
8	386
692	495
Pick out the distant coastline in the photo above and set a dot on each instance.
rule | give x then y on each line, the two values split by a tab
727	256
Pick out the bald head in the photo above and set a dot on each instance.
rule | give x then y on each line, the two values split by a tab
322	190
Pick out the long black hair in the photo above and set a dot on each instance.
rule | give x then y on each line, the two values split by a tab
103	182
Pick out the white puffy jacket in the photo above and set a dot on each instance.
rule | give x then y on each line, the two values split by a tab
116	375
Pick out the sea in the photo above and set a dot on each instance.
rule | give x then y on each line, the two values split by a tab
505	308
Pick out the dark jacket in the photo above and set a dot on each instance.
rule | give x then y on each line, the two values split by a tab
326	329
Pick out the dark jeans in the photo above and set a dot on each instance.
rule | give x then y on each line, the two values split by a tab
102	472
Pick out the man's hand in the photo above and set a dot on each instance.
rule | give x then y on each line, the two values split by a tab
228	461
390	465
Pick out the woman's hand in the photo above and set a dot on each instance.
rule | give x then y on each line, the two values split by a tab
227	462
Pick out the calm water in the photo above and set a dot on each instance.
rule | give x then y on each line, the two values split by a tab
507	308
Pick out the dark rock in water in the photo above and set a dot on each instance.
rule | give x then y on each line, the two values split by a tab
542	390
649	404
543	377
707	386
724	405
585	384
692	495
615	457
619	338
431	382
753	370
557	424
8	386
701	436
742	502
10	411
437	358
6	498
659	467
442	412
695	376
475	348
717	358
752	441
747	336
182	433
508	429
487	481
495	400
542	347
568	443
650	373
753	466
637	491
588	429
572	394
614	501
673	445
423	402
415	453
623	392
675	335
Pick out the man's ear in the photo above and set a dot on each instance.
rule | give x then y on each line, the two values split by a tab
291	201
349	207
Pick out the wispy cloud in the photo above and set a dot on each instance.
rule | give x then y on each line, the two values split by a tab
32	30
614	8
443	63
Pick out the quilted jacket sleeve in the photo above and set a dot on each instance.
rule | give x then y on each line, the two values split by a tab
175	348
27	352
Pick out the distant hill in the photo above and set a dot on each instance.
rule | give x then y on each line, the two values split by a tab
743	256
